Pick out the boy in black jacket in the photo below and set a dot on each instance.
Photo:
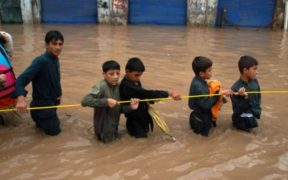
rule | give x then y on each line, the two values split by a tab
138	121
246	107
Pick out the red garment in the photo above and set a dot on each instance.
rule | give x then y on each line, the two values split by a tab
7	102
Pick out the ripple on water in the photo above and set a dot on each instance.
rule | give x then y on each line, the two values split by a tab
106	177
132	172
274	176
182	167
79	142
283	162
251	147
170	147
202	173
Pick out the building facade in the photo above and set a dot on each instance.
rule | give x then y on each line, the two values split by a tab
219	13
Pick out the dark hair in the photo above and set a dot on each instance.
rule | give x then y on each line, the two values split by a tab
246	62
53	35
135	64
2	40
201	64
110	65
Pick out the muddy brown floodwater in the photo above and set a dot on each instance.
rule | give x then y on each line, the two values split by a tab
26	153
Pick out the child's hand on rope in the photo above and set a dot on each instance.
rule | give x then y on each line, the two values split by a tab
226	92
134	103
176	96
21	105
111	102
58	100
242	92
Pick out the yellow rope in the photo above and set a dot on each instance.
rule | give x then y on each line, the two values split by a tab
43	107
160	122
146	100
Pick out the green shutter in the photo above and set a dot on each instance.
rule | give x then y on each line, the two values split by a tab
10	11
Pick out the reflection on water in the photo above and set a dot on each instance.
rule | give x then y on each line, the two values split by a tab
26	153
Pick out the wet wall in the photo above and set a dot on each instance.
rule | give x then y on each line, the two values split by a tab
112	11
202	12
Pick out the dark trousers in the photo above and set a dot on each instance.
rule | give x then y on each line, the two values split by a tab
47	119
107	134
244	123
107	137
139	125
200	123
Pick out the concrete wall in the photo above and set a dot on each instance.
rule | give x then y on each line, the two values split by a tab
120	12
31	11
201	12
26	8
285	15
112	11
104	11
279	14
36	11
10	11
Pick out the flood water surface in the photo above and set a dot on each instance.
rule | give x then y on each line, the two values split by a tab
26	153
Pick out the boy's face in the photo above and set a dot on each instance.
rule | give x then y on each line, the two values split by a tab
112	76
55	47
207	74
251	72
133	76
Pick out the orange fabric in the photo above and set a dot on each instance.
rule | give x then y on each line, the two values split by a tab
215	86
7	102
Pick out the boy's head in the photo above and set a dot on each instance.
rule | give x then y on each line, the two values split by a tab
111	72
54	42
134	69
248	67
202	67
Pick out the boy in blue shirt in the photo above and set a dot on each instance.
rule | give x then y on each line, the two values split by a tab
201	116
246	107
44	73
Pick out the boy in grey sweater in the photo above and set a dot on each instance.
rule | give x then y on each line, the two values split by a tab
104	97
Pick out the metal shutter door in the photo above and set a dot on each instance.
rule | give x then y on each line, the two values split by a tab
168	12
247	13
69	11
